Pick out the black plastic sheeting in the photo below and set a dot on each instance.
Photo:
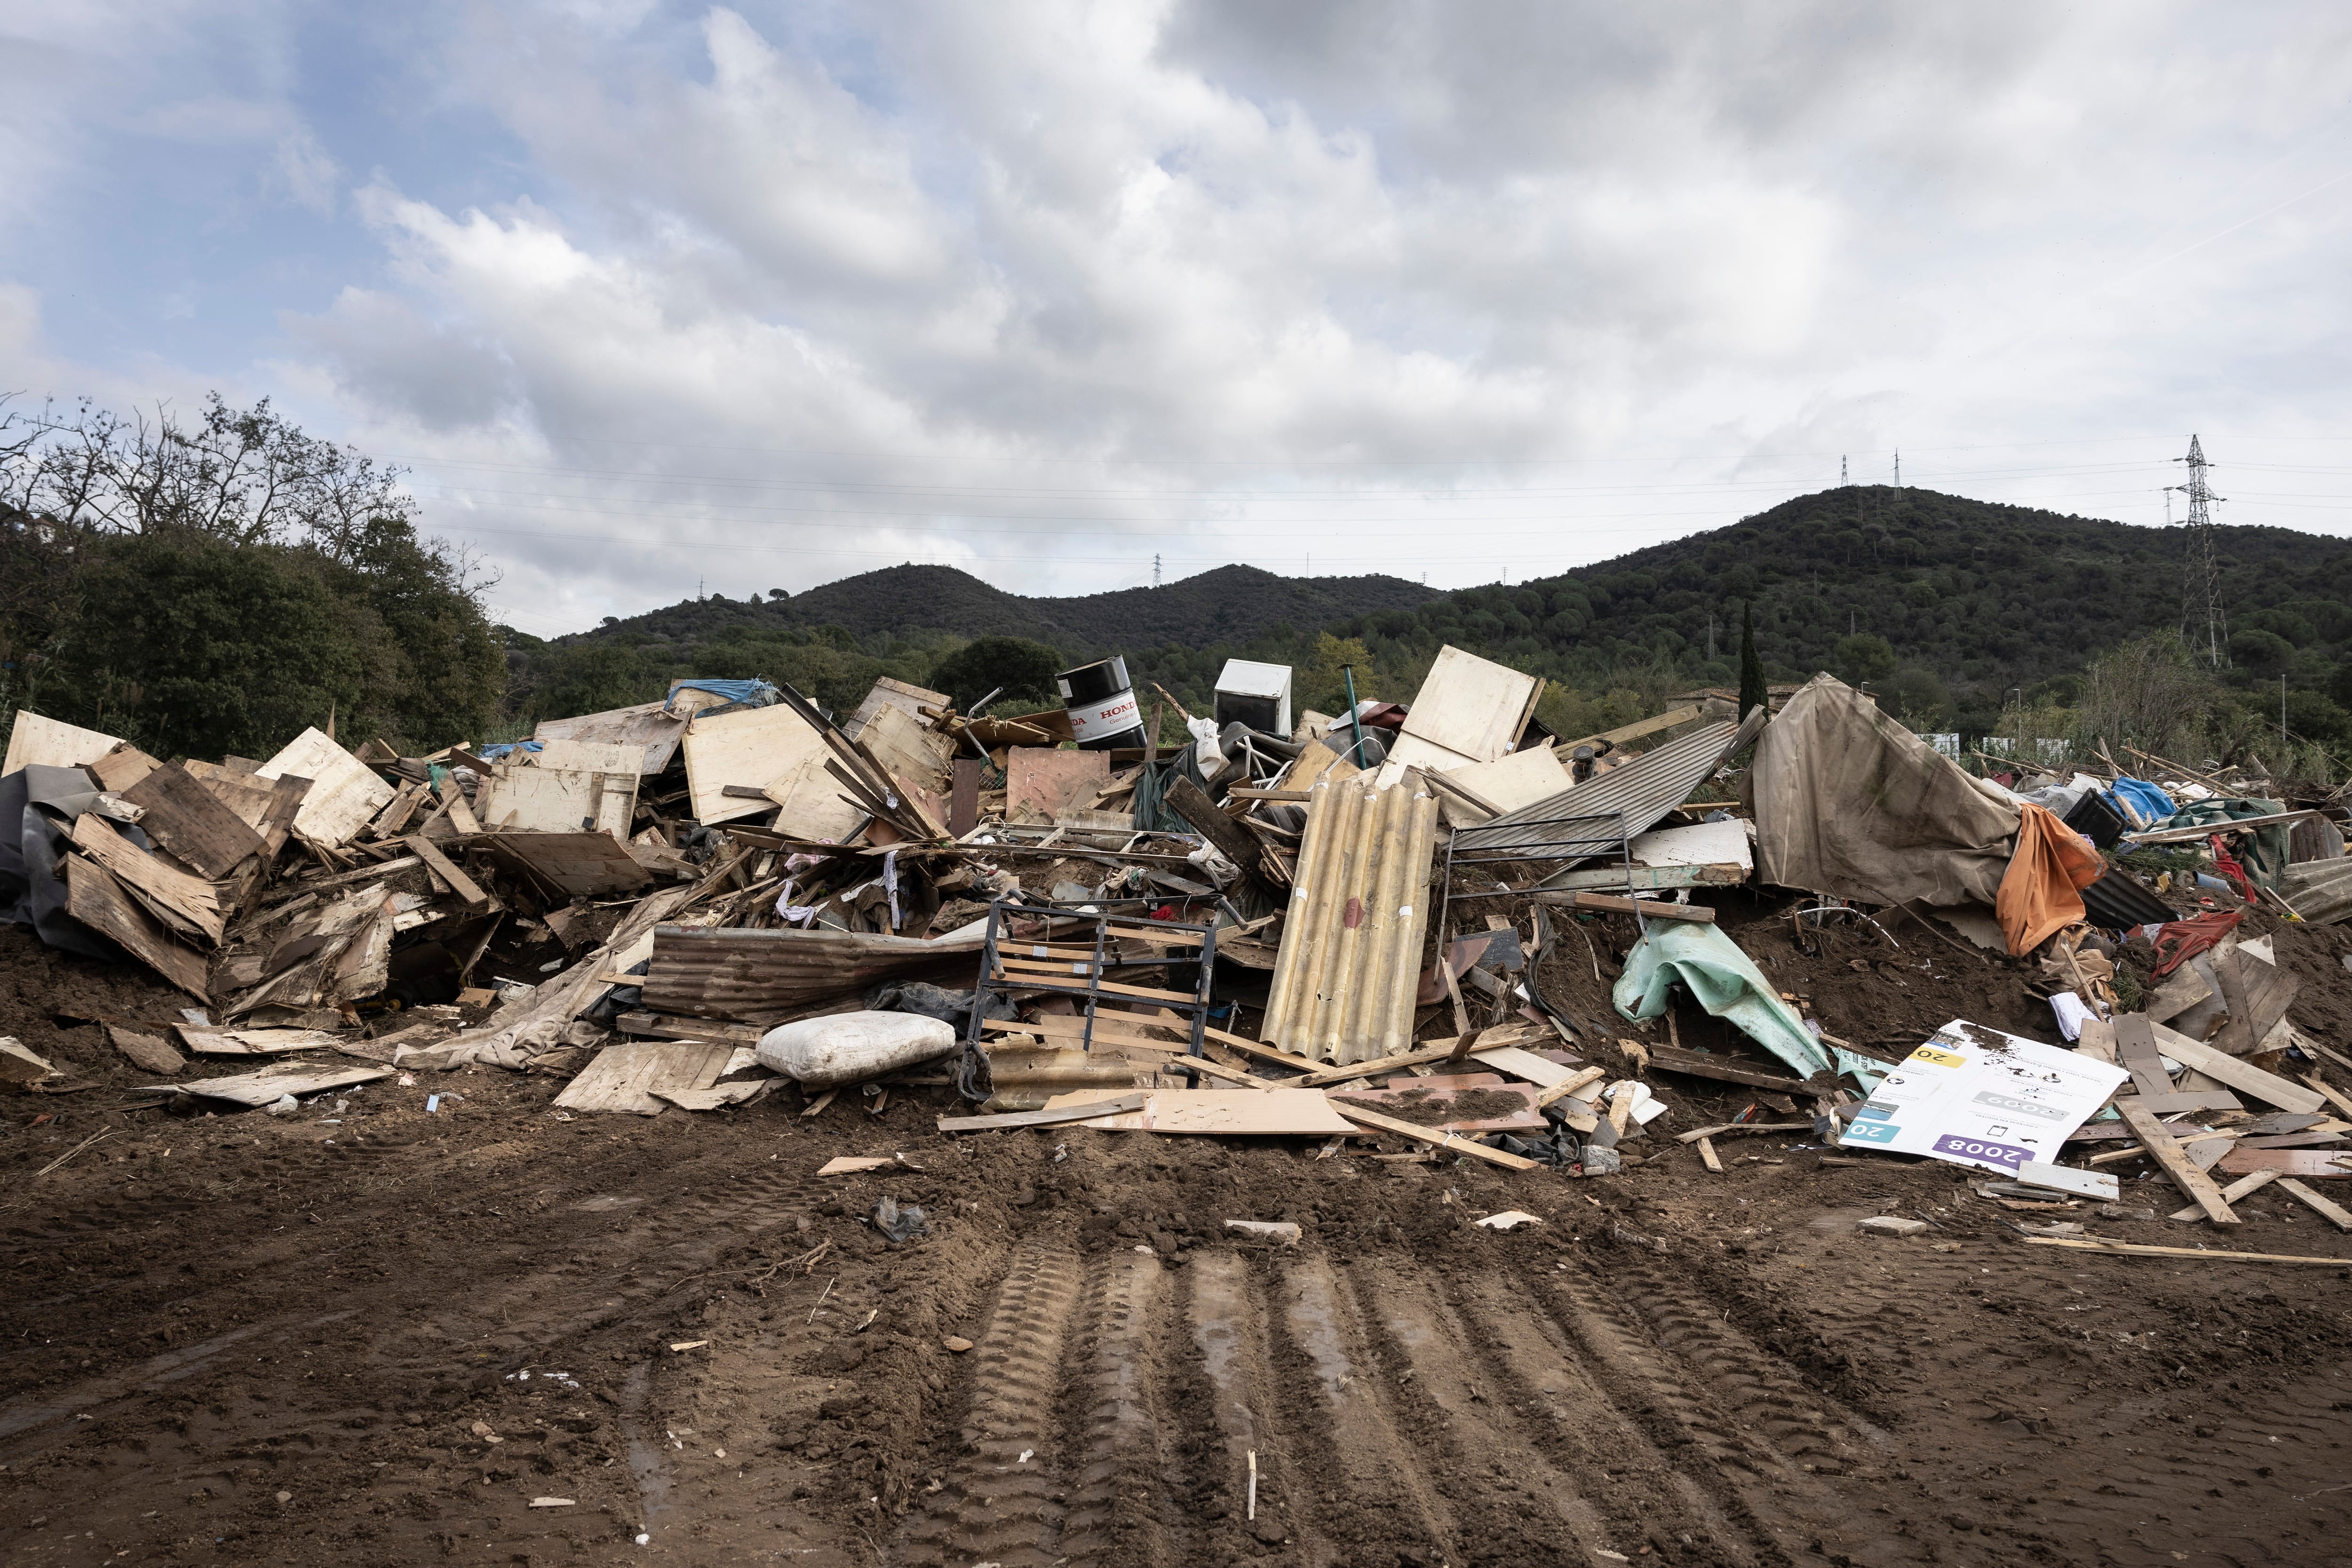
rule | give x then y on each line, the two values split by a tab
2119	901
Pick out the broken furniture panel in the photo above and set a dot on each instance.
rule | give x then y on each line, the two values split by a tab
548	798
344	795
1049	783
649	726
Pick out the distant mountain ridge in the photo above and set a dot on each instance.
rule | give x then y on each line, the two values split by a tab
1229	605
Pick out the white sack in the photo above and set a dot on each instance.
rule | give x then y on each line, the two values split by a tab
850	1047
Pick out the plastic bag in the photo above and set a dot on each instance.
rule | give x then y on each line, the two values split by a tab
850	1047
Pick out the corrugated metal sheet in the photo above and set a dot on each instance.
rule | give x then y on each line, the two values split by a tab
2319	890
1644	789
1350	957
756	976
2119	901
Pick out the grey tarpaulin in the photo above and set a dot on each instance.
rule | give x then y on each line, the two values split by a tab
1849	802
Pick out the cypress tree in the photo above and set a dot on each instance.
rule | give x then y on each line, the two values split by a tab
1753	692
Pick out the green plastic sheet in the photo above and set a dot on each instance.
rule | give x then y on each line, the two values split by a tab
1721	979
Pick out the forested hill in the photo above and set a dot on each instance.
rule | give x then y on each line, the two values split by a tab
1230	604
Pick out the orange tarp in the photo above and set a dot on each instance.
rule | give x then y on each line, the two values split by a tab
2040	894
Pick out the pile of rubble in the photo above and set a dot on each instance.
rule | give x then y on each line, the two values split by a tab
1117	914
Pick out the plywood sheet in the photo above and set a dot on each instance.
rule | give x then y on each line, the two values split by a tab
545	799
1471	706
889	693
94	898
1521	779
122	767
630	1078
581	864
264	1084
206	1040
190	821
189	904
770	748
916	754
52	743
648	726
247	797
1051	782
1217	1112
345	794
584	756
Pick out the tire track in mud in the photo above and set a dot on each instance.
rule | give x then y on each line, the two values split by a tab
1003	1501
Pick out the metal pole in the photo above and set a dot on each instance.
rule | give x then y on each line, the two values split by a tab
1353	716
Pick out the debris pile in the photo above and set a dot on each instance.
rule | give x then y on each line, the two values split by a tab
1423	926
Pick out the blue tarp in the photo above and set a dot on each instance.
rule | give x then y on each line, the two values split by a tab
499	752
2151	803
738	693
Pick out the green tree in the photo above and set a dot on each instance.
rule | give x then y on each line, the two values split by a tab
1864	657
1025	669
1753	691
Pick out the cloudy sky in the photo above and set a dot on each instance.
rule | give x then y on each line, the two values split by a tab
653	297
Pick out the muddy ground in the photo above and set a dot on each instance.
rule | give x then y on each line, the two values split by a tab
306	1340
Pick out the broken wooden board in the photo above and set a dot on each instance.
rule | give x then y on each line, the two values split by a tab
1059	1115
908	749
2203	1254
1048	782
1507	783
889	693
1413	1092
220	1041
344	794
122	767
1459	1145
266	1085
549	799
579	865
648	726
1469	709
190	821
2237	1074
1724	1069
1651	909
94	898
2181	990
630	1077
771	748
34	739
2194	1183
2326	1208
1269	1113
462	885
2307	1163
718	1097
2229	1194
148	1050
189	905
569	755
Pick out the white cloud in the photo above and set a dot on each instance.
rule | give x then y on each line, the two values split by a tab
1044	286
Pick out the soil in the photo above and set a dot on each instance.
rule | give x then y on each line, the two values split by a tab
1421	1107
242	1338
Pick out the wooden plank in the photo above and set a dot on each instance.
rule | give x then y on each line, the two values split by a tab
465	887
122	767
1566	750
1042	1118
2194	1185
37	741
2308	1164
963	799
1707	1155
1109	1028
2240	1075
2187	835
1071	986
2341	1101
630	1077
581	756
2136	1053
344	792
1646	879
189	903
2231	1194
264	1084
1696	1064
1470	706
581	864
2270	990
1230	839
662	1025
1436	1051
1656	909
2235	1036
776	749
1460	1145
2181	990
2326	1208
94	898
1218	1070
189	820
2203	1254
1570	1085
2178	1100
287	793
1725	1129
247	797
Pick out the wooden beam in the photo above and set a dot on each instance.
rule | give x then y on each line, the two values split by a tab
1219	1069
1656	909
1723	1129
1044	1118
2130	1249
1696	1064
1707	1155
1566	750
1436	1051
2235	1072
1570	1085
465	887
2325	1208
1430	1135
1230	839
2185	835
2231	1194
2194	1183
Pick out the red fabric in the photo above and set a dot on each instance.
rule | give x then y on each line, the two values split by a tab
2180	940
2226	864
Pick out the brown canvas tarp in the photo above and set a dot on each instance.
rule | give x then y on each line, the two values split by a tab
1849	802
